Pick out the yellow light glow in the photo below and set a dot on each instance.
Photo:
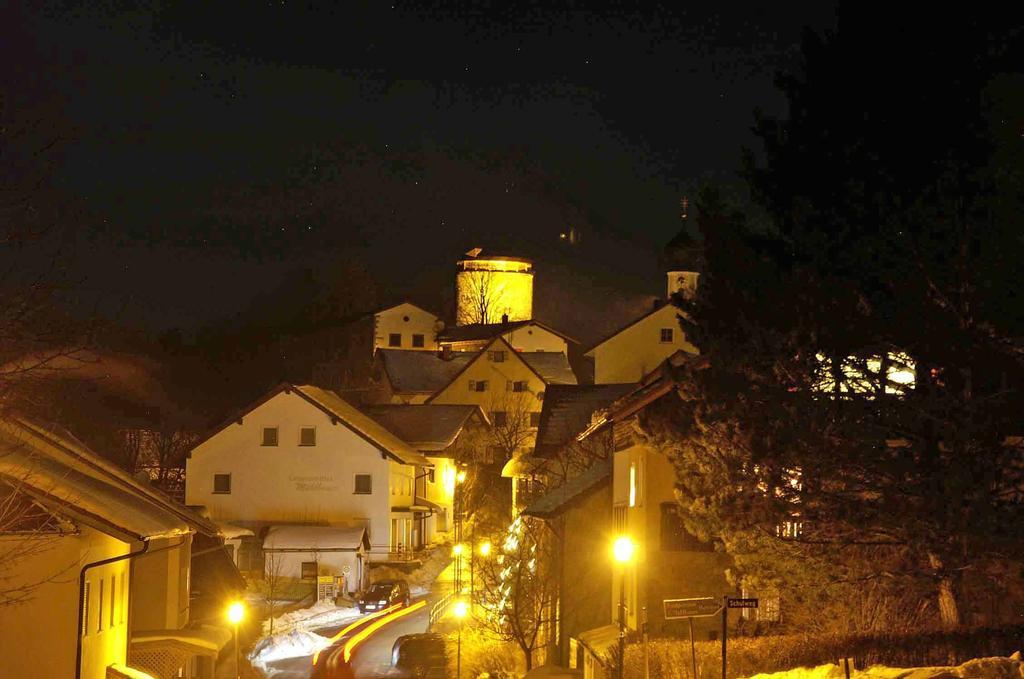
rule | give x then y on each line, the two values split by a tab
351	626
460	610
236	611
351	644
485	548
457	550
461	476
623	549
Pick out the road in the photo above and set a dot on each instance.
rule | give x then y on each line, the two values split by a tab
371	659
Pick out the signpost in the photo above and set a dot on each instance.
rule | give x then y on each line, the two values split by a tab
700	607
731	603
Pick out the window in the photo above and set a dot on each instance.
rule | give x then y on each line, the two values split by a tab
310	569
124	597
395	339
500	418
518	385
496	356
478	385
632	485
666	335
113	599
619	519
417	341
674	536
86	591
364	484
307	436
430	475
270	436
534	420
222	483
99	609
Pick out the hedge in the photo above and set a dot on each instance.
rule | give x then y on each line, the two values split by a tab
670	658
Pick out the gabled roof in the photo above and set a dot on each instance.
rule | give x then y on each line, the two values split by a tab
475	332
551	367
323	538
660	304
61	474
402	303
421	372
339	410
428	427
556	501
554	369
567	411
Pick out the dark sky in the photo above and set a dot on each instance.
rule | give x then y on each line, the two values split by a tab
215	146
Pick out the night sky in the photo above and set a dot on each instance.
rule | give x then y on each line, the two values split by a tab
212	147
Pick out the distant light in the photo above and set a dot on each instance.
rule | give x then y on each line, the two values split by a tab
461	476
485	548
236	611
623	549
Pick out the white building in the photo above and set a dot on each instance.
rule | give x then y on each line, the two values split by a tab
95	567
405	326
529	336
631	352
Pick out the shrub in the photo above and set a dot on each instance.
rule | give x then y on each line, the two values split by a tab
670	658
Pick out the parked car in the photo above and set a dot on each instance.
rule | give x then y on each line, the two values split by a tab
384	594
419	656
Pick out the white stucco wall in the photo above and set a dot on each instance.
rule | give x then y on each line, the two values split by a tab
293	484
405	319
637	350
535	338
40	636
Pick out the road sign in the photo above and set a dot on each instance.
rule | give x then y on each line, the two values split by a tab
702	607
742	603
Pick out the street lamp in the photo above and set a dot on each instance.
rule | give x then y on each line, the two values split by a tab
623	550
460	610
236	611
457	551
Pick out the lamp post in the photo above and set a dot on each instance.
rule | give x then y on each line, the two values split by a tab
623	550
457	552
460	478
236	611
460	610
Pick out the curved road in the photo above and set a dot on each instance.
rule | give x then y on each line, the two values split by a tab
371	659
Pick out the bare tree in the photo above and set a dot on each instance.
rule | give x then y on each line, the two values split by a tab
272	586
480	297
517	595
131	449
511	406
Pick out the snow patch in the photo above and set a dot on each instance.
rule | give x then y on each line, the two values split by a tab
978	668
294	644
320	614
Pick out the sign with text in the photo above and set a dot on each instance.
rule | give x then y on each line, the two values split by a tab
742	603
702	607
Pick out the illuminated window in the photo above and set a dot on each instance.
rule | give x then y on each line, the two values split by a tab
500	418
666	335
307	436
417	341
269	436
868	376
363	484
99	608
496	356
632	484
395	339
113	599
534	420
124	597
222	484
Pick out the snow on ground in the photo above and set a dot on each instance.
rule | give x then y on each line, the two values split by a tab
978	668
294	644
321	614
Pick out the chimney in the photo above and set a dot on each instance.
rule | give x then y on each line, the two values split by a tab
446	352
504	319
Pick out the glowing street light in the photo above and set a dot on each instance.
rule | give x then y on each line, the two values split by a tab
460	610
461	476
235	613
623	549
485	548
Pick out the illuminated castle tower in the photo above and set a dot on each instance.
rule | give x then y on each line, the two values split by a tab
493	288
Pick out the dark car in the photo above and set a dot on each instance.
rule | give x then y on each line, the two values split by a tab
384	594
419	656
